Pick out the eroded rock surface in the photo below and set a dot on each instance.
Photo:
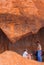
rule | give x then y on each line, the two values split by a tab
18	18
12	58
21	18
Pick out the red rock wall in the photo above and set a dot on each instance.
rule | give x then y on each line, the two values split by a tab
27	41
18	18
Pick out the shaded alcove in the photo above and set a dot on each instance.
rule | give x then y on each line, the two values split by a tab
41	37
4	42
25	42
28	41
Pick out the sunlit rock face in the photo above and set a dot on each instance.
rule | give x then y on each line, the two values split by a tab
18	7
20	26
40	5
18	18
25	7
12	58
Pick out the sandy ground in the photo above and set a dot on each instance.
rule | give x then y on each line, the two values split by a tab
12	58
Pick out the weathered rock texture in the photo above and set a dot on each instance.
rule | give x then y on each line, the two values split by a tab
18	18
4	42
12	58
22	21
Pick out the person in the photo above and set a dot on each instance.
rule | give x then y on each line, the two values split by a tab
25	54
39	52
30	56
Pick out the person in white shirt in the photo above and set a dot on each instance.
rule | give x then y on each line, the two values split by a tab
25	54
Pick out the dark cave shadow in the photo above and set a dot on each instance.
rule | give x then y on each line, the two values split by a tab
4	42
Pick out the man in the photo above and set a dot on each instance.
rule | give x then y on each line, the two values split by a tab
39	52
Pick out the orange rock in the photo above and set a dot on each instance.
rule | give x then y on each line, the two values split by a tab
12	58
17	18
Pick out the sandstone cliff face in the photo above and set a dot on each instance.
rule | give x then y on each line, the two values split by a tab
18	18
21	20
